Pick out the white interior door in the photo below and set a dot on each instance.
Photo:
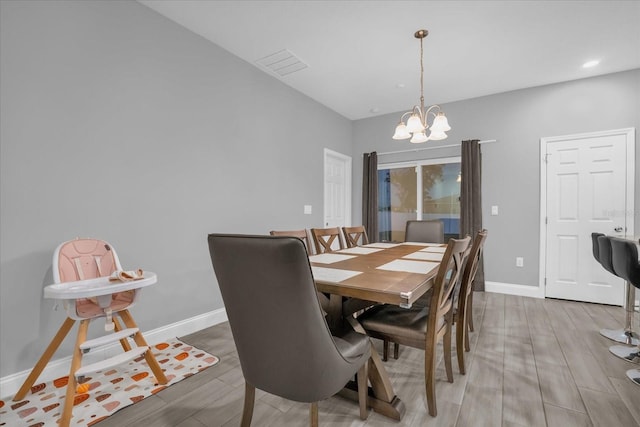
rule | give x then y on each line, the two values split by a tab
589	188
337	189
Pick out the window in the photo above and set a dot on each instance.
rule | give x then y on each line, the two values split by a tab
428	189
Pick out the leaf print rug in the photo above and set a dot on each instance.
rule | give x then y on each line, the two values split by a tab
108	391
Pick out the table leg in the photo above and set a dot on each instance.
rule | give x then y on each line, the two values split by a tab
382	398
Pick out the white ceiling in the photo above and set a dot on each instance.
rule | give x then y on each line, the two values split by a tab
360	53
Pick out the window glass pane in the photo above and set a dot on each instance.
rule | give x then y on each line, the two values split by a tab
397	201
441	196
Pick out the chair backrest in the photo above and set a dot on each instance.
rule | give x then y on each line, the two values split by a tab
431	231
605	253
83	259
445	282
300	234
323	239
353	235
595	246
283	342
625	260
469	272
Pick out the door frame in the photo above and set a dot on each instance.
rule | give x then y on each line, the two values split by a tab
347	184
629	133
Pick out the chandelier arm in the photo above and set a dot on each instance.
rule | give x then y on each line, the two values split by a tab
429	111
404	115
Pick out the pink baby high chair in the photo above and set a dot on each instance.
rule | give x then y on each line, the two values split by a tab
92	285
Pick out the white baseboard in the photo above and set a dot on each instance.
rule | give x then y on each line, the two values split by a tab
513	289
10	384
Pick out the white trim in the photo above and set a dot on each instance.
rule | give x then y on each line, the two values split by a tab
347	184
10	384
409	163
514	289
485	141
630	143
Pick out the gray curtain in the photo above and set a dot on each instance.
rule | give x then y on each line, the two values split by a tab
370	195
471	199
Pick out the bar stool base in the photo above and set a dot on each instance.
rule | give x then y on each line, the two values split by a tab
634	375
630	354
621	336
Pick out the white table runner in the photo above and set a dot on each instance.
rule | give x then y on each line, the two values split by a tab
329	258
422	267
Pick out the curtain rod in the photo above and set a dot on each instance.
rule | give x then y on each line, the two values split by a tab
486	141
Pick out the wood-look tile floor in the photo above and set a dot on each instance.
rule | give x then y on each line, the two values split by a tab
532	363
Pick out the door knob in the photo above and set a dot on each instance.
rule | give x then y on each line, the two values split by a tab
618	229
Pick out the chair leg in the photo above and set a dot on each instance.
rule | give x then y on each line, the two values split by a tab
140	341
44	359
446	345
249	399
76	361
313	414
385	350
429	378
396	350
123	342
461	339
363	389
470	310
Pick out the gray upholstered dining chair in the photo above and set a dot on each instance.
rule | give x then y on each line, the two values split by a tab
283	342
422	326
428	231
300	234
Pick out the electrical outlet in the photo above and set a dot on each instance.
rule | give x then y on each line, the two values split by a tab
307	209
519	261
494	210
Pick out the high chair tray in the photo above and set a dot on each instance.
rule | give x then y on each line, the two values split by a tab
96	287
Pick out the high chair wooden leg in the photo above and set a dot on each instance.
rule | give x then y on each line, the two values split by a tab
123	342
139	339
65	419
44	359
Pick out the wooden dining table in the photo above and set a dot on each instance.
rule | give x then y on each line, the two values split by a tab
359	277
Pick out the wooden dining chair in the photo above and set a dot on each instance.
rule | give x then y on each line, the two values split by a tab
284	344
355	236
423	327
300	234
463	302
323	239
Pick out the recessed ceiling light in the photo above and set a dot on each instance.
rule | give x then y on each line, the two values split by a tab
374	110
590	64
400	85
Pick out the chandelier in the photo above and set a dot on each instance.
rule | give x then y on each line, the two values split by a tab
417	123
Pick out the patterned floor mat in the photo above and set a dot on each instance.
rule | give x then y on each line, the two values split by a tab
108	391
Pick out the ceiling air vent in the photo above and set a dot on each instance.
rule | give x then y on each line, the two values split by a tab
281	63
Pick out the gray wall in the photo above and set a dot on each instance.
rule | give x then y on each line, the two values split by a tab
117	123
511	166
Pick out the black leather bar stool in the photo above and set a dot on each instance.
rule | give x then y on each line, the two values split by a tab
627	265
627	335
